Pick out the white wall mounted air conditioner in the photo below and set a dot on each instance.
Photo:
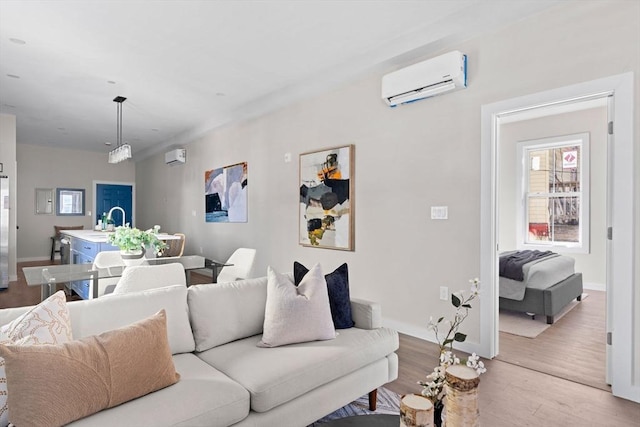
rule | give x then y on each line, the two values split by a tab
175	157
432	77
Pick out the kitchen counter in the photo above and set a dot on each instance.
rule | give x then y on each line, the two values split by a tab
95	236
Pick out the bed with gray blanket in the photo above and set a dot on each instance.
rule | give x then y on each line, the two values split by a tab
538	283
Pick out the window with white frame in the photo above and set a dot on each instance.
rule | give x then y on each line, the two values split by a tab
554	193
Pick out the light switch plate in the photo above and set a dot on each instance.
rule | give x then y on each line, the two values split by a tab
439	212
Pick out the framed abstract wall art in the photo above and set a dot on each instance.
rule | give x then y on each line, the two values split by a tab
326	198
225	194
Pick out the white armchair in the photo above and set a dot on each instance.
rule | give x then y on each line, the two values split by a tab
143	277
242	260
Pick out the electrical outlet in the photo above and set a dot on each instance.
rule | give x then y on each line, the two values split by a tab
444	293
200	250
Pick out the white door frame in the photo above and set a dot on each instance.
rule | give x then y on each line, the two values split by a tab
622	245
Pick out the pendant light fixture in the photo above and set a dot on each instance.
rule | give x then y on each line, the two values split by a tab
122	151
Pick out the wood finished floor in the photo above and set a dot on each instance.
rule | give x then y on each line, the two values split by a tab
514	396
572	348
510	395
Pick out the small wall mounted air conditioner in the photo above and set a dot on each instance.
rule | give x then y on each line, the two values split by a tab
432	77
175	157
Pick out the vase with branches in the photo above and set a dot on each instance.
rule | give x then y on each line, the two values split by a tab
433	388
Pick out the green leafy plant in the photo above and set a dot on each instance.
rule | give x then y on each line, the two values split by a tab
133	239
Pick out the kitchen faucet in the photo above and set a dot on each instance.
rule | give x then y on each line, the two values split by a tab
119	208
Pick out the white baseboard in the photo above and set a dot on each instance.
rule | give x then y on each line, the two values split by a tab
594	286
424	334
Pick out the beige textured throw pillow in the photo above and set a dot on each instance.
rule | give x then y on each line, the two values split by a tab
296	314
52	385
46	323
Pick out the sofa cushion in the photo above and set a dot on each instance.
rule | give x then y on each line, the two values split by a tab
204	396
57	384
295	314
274	376
338	287
95	316
225	312
45	323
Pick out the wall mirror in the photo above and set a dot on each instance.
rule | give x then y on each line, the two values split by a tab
70	201
44	201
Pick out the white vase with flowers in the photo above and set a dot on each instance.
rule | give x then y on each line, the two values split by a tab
133	243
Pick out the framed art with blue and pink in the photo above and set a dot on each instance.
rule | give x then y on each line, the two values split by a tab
225	194
326	198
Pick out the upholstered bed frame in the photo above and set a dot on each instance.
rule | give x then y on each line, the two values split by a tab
547	302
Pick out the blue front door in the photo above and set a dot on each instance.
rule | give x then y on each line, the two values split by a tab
110	195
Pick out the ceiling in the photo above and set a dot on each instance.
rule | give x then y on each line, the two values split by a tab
186	67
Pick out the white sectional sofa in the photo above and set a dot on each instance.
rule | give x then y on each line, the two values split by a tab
225	379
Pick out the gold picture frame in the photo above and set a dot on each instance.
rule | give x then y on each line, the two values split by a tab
326	182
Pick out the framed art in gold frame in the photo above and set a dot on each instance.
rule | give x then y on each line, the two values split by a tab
326	198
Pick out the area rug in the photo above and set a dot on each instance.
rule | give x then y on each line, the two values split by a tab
388	403
522	325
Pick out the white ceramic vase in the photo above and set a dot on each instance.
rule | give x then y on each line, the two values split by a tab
133	257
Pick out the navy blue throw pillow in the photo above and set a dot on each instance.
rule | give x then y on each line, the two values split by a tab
338	288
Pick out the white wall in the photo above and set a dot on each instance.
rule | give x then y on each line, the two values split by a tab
407	159
46	167
8	160
593	121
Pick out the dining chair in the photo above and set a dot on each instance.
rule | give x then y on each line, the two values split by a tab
57	235
242	260
175	247
107	259
144	277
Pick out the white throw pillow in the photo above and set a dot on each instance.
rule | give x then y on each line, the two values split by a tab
296	314
46	323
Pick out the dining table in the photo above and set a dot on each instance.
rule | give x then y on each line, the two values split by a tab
49	276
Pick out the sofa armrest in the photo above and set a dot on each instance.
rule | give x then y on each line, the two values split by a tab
366	314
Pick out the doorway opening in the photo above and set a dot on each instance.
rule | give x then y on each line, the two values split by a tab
552	196
622	332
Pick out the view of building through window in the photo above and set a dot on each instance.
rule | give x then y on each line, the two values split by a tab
553	196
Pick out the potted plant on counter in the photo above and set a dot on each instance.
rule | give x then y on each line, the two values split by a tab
133	242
